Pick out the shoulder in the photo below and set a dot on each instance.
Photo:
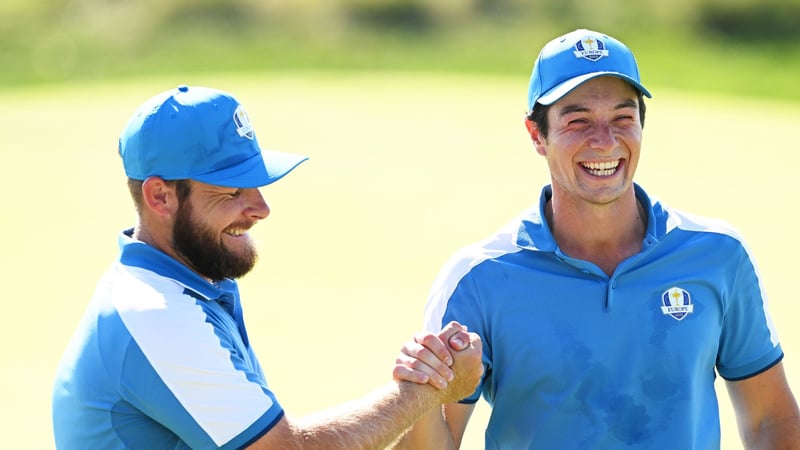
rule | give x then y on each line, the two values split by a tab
699	233
492	247
149	305
666	219
686	221
132	290
480	254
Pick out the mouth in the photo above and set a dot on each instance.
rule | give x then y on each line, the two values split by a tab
236	231
601	169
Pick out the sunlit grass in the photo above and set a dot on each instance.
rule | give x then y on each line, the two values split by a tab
85	40
404	169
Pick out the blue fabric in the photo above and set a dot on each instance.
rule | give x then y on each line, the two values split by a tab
576	57
160	360
576	359
201	134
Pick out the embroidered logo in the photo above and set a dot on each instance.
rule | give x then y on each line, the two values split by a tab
242	121
591	49
676	302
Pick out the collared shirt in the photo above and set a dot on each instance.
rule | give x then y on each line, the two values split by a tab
577	359
160	359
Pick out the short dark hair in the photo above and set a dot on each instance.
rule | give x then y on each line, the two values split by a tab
182	188
539	115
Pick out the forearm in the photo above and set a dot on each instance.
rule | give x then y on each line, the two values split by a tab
766	411
430	432
373	422
780	434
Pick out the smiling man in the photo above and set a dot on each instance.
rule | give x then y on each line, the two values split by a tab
605	314
161	358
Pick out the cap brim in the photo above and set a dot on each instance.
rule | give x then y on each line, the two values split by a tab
555	94
259	170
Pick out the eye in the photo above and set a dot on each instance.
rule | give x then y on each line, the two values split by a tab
577	122
236	193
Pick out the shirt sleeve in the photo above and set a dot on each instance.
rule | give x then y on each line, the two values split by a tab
455	298
187	369
749	342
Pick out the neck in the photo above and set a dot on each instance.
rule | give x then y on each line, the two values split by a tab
602	234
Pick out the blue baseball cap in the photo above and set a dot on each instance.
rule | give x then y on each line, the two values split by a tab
201	134
574	58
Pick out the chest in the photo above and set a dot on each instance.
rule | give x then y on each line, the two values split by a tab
574	322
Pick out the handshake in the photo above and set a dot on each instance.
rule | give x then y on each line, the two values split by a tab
450	361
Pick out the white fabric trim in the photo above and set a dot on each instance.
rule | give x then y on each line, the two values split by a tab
164	322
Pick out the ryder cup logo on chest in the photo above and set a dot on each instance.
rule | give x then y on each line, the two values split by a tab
591	49
242	121
676	302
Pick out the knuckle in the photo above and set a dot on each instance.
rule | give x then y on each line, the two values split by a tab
426	339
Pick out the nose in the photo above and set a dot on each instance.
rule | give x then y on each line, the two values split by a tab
257	207
603	138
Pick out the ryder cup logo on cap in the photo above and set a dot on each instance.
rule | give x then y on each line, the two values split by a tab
243	125
591	49
201	134
570	60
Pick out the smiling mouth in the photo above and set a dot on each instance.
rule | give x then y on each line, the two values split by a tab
235	232
601	169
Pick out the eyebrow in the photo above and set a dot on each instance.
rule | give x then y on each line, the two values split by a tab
575	108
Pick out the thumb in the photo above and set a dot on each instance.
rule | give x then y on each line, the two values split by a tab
455	335
459	341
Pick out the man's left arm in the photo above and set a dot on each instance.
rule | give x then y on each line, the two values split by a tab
766	410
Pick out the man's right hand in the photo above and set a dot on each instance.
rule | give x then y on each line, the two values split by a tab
449	360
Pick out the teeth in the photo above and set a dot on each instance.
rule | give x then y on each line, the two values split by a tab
601	169
235	232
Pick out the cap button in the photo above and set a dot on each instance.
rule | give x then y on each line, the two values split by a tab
183	88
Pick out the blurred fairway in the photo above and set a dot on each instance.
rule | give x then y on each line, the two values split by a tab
404	170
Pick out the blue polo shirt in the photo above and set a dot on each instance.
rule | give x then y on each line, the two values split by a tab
577	359
160	359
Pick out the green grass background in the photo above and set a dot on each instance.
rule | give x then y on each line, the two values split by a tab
746	47
405	168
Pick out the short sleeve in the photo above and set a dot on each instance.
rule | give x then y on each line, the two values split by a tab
749	342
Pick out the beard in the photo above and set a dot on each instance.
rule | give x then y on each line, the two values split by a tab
204	251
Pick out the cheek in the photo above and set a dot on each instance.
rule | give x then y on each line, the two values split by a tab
632	133
215	214
558	164
560	148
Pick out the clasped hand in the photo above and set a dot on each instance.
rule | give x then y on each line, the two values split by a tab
449	360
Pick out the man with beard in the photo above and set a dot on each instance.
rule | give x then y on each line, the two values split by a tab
162	359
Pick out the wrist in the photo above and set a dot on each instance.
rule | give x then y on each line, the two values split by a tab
424	395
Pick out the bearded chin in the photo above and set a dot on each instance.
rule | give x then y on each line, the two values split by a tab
201	248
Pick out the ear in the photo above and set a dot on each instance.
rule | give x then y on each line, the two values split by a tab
538	140
159	197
